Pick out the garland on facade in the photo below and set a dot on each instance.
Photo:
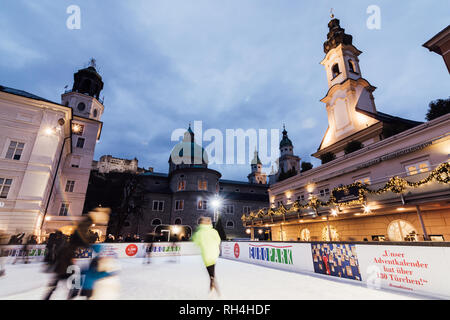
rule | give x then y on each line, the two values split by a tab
395	184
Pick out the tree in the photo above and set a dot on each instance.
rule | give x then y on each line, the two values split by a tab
122	192
438	108
352	146
220	229
306	166
327	157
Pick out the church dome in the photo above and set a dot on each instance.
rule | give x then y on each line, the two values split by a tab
285	141
189	153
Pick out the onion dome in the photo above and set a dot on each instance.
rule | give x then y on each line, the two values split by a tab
256	159
285	141
336	36
88	81
189	153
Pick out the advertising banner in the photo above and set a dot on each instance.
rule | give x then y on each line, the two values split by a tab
410	269
422	270
18	253
286	256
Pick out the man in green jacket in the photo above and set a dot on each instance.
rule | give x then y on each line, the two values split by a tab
208	239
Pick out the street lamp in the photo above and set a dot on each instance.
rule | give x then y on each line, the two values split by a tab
216	203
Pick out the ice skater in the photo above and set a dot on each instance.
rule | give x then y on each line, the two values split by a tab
149	239
208	239
100	278
79	239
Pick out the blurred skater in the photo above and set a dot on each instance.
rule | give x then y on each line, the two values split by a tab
100	278
3	254
149	239
79	239
208	239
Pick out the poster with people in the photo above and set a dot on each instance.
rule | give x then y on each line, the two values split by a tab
338	260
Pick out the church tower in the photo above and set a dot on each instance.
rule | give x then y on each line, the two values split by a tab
257	176
289	164
87	109
349	100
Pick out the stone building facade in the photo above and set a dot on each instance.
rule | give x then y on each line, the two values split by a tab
394	187
48	149
188	192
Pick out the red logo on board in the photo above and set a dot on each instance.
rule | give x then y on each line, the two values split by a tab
131	250
236	250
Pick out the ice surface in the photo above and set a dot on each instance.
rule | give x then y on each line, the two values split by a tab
186	278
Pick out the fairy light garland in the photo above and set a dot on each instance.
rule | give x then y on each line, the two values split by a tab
395	184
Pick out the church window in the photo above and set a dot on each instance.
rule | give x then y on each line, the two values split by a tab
95	113
335	70
351	66
401	230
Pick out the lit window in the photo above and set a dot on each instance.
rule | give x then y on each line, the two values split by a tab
5	185
423	166
202	205
64	209
202	185
181	185
70	185
15	150
365	180
179	205
77	129
158	205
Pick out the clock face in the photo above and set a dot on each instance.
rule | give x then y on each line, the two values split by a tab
81	106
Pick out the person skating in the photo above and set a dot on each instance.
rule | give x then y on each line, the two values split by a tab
100	278
208	239
79	239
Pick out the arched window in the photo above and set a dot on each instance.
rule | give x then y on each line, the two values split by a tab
351	66
335	70
401	230
305	235
230	224
178	221
156	222
334	234
95	113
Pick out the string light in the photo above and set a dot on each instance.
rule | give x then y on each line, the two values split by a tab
395	184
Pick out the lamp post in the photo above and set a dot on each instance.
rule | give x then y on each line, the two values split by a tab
216	204
53	182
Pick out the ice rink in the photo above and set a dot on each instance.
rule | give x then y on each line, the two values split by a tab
186	278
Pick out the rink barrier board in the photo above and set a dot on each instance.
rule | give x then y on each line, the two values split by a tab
36	253
409	268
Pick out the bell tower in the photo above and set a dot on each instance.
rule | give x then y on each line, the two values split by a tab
257	176
84	98
349	95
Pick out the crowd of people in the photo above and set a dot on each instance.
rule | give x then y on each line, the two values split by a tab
100	280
